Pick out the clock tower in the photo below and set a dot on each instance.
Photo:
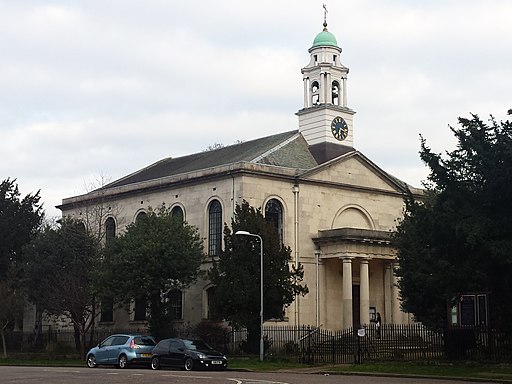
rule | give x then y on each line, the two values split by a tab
325	117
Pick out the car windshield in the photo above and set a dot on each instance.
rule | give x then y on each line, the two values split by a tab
196	345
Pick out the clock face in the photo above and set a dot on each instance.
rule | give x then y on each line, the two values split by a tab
339	128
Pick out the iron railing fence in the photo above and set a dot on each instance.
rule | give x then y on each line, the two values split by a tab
311	345
406	342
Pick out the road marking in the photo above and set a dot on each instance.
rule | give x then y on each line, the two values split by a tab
256	381
60	370
187	376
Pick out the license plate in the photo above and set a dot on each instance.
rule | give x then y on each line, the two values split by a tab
216	362
145	354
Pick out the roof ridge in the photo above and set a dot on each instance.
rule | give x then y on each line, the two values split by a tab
275	148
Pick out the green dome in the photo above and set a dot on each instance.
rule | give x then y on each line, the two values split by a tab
325	38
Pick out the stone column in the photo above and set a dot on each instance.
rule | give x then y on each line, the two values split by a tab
347	293
328	88
321	91
317	288
344	92
307	99
364	293
388	298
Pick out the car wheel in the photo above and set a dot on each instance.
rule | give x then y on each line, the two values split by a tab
91	361
189	364
122	362
155	363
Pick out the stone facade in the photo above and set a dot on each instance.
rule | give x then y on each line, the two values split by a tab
338	208
319	207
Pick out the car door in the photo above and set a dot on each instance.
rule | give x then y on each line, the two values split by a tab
103	350
115	350
163	352
176	353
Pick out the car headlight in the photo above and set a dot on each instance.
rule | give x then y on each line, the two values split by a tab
202	356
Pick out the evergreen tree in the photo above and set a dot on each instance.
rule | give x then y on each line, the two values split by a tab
59	275
236	275
156	255
19	220
459	238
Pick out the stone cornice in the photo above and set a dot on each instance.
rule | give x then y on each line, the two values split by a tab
195	177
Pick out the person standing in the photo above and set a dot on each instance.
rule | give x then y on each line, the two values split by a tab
378	323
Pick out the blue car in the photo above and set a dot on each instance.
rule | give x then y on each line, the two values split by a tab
122	350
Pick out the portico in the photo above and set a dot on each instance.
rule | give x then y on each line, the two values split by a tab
364	283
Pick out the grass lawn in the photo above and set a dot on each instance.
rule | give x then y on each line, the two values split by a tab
503	372
463	370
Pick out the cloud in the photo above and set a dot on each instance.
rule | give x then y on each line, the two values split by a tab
90	87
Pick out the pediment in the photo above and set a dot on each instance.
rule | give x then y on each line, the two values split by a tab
355	170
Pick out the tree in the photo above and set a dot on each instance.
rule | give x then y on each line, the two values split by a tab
11	309
235	275
156	255
94	215
458	239
59	274
19	220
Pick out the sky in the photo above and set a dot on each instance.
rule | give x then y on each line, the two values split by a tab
94	90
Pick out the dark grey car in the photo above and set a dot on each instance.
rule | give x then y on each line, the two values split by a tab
187	354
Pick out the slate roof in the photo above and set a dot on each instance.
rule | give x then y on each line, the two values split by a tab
288	149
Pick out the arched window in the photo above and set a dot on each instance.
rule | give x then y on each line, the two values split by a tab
177	212
214	228
140	216
110	230
274	215
335	92
315	94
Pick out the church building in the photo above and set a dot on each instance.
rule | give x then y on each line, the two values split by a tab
333	206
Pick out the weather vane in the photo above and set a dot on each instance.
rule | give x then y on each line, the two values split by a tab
325	15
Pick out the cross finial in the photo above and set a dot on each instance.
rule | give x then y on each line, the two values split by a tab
325	15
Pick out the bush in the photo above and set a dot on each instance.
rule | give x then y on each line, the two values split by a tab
212	332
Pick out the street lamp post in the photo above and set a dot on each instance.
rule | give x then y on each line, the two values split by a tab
245	233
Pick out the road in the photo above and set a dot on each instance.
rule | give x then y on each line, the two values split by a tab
57	375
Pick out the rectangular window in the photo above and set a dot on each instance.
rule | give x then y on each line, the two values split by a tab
373	313
176	307
139	312
107	310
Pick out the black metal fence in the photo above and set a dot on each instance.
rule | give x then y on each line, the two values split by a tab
311	345
395	342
